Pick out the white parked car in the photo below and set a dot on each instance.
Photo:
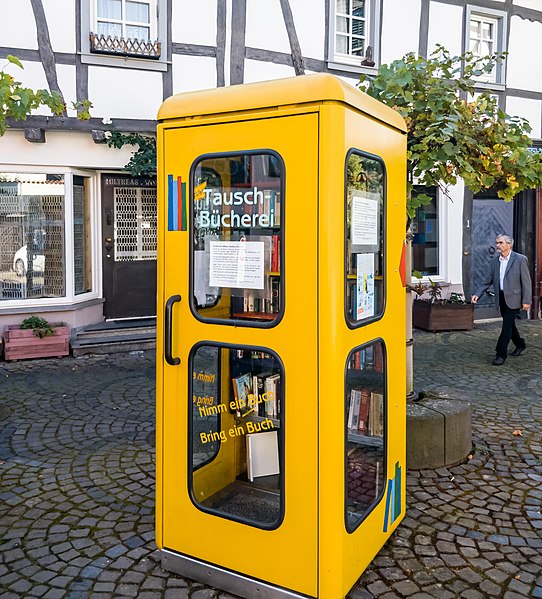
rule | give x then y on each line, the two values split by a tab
20	262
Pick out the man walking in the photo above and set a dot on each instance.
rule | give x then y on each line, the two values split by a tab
509	275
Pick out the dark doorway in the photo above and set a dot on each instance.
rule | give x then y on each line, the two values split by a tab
129	228
490	216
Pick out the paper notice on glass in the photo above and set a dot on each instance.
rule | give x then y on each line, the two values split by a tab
365	286
364	218
238	264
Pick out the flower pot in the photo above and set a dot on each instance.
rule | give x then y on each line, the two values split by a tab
20	344
442	317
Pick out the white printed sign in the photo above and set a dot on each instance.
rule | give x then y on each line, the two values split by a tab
238	264
364	218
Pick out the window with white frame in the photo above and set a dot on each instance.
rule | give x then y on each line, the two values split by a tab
353	35
36	210
486	35
125	27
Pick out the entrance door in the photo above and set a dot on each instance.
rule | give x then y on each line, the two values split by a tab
489	218
129	246
240	475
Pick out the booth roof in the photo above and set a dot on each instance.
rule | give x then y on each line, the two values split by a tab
279	92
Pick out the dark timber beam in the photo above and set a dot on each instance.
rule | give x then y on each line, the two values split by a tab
297	56
44	47
221	43
238	29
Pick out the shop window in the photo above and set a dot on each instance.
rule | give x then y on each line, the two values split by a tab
237	211
82	257
425	231
33	237
365	424
365	189
236	431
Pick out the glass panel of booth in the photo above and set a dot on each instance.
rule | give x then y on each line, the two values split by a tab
236	433
365	423
236	246
364	232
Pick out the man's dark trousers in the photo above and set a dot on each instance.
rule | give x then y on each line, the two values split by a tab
509	329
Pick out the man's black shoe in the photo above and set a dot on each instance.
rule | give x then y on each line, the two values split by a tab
518	351
498	361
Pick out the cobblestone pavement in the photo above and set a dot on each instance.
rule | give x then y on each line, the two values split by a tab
77	478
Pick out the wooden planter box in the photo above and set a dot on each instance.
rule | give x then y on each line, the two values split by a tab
20	344
442	317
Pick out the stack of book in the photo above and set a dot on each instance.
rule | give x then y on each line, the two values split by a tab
257	394
366	413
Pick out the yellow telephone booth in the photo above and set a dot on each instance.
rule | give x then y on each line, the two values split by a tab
281	336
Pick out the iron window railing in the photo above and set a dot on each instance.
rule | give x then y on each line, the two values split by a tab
119	46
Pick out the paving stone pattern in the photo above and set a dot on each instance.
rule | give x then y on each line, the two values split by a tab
77	481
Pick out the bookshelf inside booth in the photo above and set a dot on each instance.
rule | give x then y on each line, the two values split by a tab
365	409
236	433
237	214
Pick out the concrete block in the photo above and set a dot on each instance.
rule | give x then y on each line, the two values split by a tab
439	432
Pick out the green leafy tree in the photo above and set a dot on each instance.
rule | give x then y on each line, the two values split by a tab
18	101
451	133
143	161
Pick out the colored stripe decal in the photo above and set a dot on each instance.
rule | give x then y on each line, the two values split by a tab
170	203
180	204
184	226
397	492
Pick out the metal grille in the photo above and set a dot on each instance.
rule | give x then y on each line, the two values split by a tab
32	248
108	44
135	224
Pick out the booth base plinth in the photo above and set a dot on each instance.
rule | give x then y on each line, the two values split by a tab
223	579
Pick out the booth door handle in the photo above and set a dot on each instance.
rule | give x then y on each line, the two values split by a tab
168	330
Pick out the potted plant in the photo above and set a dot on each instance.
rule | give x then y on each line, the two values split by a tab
36	338
432	312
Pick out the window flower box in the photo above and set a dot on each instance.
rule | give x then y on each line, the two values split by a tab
21	344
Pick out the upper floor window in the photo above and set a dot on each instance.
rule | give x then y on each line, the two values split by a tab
125	27
353	37
487	35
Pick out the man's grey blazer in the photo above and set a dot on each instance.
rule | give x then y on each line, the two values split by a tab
517	281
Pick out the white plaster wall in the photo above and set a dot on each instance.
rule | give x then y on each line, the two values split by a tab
62	149
310	27
60	17
18	26
194	22
265	26
534	4
66	80
528	109
256	70
445	27
192	73
400	28
524	62
124	93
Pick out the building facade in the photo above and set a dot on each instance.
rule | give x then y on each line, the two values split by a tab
79	234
